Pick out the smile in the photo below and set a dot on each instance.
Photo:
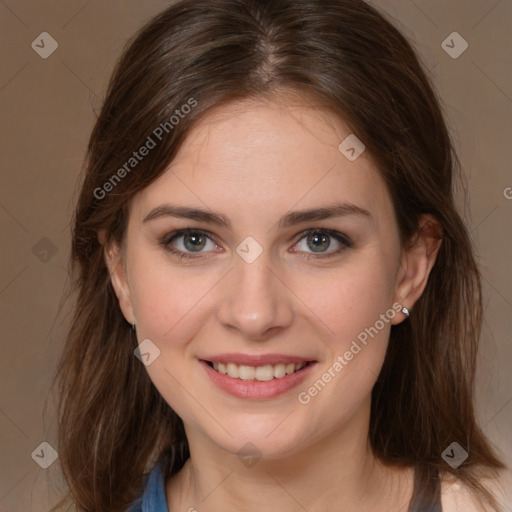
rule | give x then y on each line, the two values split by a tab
257	377
262	373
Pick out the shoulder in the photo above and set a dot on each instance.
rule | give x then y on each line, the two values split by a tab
457	496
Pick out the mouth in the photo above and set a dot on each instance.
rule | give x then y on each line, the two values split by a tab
257	376
263	373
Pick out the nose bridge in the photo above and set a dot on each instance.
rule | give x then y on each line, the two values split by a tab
255	301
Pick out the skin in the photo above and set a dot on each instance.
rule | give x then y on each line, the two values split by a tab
254	161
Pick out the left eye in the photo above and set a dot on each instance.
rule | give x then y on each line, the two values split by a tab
320	241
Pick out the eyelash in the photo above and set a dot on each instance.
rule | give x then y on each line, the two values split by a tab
343	239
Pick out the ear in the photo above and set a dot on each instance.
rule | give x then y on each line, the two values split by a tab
114	261
417	260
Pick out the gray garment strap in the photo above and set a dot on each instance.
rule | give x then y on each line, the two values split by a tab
427	495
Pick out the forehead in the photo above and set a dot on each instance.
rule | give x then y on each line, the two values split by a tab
263	133
265	156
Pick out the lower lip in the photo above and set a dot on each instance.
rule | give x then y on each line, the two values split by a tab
255	389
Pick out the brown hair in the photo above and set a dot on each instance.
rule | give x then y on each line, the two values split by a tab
348	58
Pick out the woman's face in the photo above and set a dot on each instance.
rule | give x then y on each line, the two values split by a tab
262	246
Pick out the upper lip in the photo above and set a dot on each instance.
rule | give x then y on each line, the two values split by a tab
256	360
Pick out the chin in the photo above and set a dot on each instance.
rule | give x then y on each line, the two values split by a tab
269	439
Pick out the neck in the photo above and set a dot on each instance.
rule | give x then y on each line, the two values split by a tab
340	468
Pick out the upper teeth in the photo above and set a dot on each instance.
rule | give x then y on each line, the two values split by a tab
261	373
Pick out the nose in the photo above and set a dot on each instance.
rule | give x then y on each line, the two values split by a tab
255	301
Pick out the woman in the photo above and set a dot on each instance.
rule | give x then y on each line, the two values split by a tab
278	304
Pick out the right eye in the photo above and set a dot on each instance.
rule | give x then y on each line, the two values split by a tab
186	242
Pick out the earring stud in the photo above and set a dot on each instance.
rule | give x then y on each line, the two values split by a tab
405	311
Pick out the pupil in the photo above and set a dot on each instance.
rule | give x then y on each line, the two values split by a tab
194	242
319	242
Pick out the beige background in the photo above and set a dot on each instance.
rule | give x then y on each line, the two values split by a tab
48	108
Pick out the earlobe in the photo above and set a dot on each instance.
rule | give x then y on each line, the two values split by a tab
417	261
119	280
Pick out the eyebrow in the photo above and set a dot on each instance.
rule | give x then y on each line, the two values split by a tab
287	220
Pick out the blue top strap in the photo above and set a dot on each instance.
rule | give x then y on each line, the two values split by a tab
153	497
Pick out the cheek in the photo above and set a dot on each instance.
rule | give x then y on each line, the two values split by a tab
169	304
171	308
357	306
351	298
